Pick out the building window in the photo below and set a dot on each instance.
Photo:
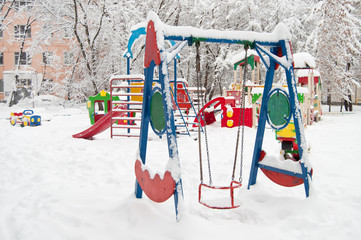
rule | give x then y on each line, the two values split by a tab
24	59
23	82
47	58
20	4
1	85
22	31
1	58
68	58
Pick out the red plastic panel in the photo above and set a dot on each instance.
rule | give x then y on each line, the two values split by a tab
151	49
280	178
236	115
156	189
304	80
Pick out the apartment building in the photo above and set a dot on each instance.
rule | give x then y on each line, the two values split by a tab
25	61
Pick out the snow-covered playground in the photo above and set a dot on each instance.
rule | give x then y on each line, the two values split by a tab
53	186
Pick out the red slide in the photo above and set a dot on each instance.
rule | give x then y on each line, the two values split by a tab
100	126
215	102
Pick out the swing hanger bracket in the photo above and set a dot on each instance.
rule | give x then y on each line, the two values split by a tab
193	39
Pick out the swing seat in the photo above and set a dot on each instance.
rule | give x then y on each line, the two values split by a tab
157	189
215	203
281	178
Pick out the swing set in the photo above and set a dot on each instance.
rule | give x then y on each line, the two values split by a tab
234	184
275	47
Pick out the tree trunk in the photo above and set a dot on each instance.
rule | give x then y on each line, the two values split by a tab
350	103
341	104
329	99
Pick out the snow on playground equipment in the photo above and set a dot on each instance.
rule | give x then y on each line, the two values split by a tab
277	108
25	118
309	78
157	188
183	107
278	116
156	54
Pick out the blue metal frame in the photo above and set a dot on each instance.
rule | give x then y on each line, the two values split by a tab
144	127
169	114
295	112
169	128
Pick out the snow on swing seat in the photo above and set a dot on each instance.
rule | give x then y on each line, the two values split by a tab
219	197
284	172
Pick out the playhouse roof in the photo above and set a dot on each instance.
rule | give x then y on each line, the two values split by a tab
304	60
240	56
305	72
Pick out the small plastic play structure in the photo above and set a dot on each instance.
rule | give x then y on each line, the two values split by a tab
276	47
116	114
25	118
308	77
230	113
104	99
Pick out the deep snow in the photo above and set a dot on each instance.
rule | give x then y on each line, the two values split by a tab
55	187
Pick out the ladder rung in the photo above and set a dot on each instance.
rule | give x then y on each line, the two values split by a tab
127	86
126	126
127	102
125	135
127	118
126	94
126	110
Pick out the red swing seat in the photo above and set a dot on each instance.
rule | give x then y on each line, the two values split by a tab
234	185
281	178
157	189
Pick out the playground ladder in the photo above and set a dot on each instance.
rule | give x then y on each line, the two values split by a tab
184	119
126	111
193	94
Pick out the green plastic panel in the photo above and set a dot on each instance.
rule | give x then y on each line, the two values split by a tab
278	108
157	111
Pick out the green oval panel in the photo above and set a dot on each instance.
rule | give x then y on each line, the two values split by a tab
157	111
278	109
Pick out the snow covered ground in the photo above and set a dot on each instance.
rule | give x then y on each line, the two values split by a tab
53	186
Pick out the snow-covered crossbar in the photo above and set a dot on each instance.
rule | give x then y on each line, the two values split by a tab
181	33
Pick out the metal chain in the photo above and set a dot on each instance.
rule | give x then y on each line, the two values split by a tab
207	148
243	106
201	101
241	118
199	118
